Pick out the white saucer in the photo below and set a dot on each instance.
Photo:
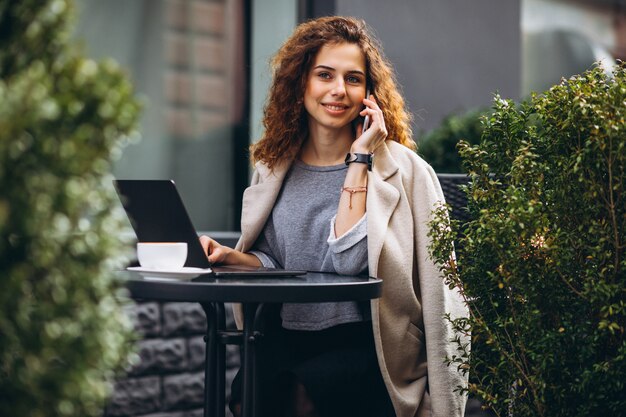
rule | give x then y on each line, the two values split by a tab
185	273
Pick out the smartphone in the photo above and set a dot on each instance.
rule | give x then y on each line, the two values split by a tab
366	121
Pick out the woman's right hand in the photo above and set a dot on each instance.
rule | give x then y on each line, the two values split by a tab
215	252
220	254
373	137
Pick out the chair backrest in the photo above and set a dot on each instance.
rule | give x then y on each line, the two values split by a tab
455	197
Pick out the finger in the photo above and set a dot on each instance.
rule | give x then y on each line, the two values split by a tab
205	241
216	256
369	112
378	120
374	117
371	102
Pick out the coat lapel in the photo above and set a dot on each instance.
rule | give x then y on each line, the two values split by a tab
258	201
382	199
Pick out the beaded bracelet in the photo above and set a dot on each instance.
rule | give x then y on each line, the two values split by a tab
353	190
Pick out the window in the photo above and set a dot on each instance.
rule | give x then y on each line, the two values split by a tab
188	60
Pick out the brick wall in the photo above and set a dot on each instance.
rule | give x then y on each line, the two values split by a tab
197	82
168	381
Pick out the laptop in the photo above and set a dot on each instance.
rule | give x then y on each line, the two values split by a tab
157	214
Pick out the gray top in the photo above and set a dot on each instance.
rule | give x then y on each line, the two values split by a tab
300	234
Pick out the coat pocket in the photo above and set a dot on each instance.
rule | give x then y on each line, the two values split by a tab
414	354
416	332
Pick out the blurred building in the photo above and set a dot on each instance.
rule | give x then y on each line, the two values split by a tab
563	38
202	67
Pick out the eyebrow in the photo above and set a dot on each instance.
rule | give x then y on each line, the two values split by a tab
333	69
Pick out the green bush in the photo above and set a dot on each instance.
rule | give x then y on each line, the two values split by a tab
439	146
542	265
62	120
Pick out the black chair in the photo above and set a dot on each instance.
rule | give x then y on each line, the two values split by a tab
455	197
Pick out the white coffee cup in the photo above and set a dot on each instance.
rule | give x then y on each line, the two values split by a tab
162	255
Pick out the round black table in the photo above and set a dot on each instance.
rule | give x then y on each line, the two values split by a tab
253	293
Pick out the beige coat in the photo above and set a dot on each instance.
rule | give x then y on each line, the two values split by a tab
408	320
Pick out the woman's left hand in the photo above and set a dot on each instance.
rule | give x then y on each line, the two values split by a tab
376	134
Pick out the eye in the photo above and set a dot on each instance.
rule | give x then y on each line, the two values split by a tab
353	79
325	75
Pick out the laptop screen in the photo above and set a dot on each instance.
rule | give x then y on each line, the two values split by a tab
157	214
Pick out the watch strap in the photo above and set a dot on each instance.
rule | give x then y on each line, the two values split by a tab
360	158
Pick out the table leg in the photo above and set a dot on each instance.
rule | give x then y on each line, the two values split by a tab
220	382
251	334
210	370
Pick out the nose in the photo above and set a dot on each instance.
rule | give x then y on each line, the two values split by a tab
339	88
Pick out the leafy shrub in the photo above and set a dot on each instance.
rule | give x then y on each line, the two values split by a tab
439	146
62	117
542	265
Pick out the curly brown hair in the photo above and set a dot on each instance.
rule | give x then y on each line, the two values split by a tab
285	117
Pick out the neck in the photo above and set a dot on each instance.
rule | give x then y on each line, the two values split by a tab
325	147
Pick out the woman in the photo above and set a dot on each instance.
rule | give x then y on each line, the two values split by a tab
318	203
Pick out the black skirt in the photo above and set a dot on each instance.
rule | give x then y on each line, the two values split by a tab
337	366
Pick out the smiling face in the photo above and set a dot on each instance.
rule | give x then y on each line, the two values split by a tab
335	86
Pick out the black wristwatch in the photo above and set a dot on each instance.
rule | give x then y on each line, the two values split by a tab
360	158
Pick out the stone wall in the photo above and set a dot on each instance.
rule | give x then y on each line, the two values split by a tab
168	381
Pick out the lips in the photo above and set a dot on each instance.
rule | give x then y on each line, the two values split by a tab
335	107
